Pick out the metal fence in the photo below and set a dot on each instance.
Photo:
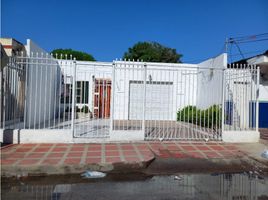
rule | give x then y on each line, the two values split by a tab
241	111
165	101
158	100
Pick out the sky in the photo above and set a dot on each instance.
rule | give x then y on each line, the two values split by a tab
107	28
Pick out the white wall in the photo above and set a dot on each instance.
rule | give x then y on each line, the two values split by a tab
42	86
181	78
263	90
164	106
85	71
210	81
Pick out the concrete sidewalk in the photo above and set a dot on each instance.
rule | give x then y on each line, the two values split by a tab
38	159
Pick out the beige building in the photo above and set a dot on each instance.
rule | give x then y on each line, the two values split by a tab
11	46
13	108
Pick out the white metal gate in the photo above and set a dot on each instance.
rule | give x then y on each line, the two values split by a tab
157	100
164	102
177	101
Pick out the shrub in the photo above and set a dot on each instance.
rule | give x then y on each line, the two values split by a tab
85	109
205	118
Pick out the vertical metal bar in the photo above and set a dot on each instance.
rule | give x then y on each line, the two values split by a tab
189	104
69	99
257	98
144	97
124	85
59	110
45	93
40	92
192	103
112	99
55	81
16	94
223	101
26	71
36	88
73	96
243	111
50	91
175	79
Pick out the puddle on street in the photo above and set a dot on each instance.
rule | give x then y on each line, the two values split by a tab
240	186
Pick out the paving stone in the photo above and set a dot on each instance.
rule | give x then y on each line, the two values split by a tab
187	148
132	159
44	149
195	154
127	147
94	154
212	154
78	148
74	154
203	147
50	161
94	148
216	147
55	155
113	159
93	160
72	161
8	162
35	155
59	149
28	161
112	153
110	147
129	153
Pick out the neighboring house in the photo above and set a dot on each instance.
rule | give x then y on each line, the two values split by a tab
4	61
21	81
261	61
10	47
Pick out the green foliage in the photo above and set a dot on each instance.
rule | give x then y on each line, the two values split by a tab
152	52
79	55
84	109
206	118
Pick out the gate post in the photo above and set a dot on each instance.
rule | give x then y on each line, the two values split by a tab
144	99
112	99
223	101
257	98
73	97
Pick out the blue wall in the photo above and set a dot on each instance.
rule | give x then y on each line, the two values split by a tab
263	114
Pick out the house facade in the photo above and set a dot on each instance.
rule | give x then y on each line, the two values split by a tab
79	101
261	61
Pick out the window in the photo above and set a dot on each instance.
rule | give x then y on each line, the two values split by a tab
81	92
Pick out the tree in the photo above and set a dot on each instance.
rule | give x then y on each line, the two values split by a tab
79	55
152	52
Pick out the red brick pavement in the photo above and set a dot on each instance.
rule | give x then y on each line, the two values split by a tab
75	154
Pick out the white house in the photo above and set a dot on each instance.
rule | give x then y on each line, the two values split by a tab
261	61
125	100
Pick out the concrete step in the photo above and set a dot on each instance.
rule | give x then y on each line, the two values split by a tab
264	133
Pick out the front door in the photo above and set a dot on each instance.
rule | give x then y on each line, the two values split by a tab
102	98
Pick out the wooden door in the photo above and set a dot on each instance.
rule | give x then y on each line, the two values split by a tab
102	98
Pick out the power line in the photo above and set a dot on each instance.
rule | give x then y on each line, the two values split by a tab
239	50
248	38
242	40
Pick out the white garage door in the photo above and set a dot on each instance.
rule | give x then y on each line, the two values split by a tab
158	100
